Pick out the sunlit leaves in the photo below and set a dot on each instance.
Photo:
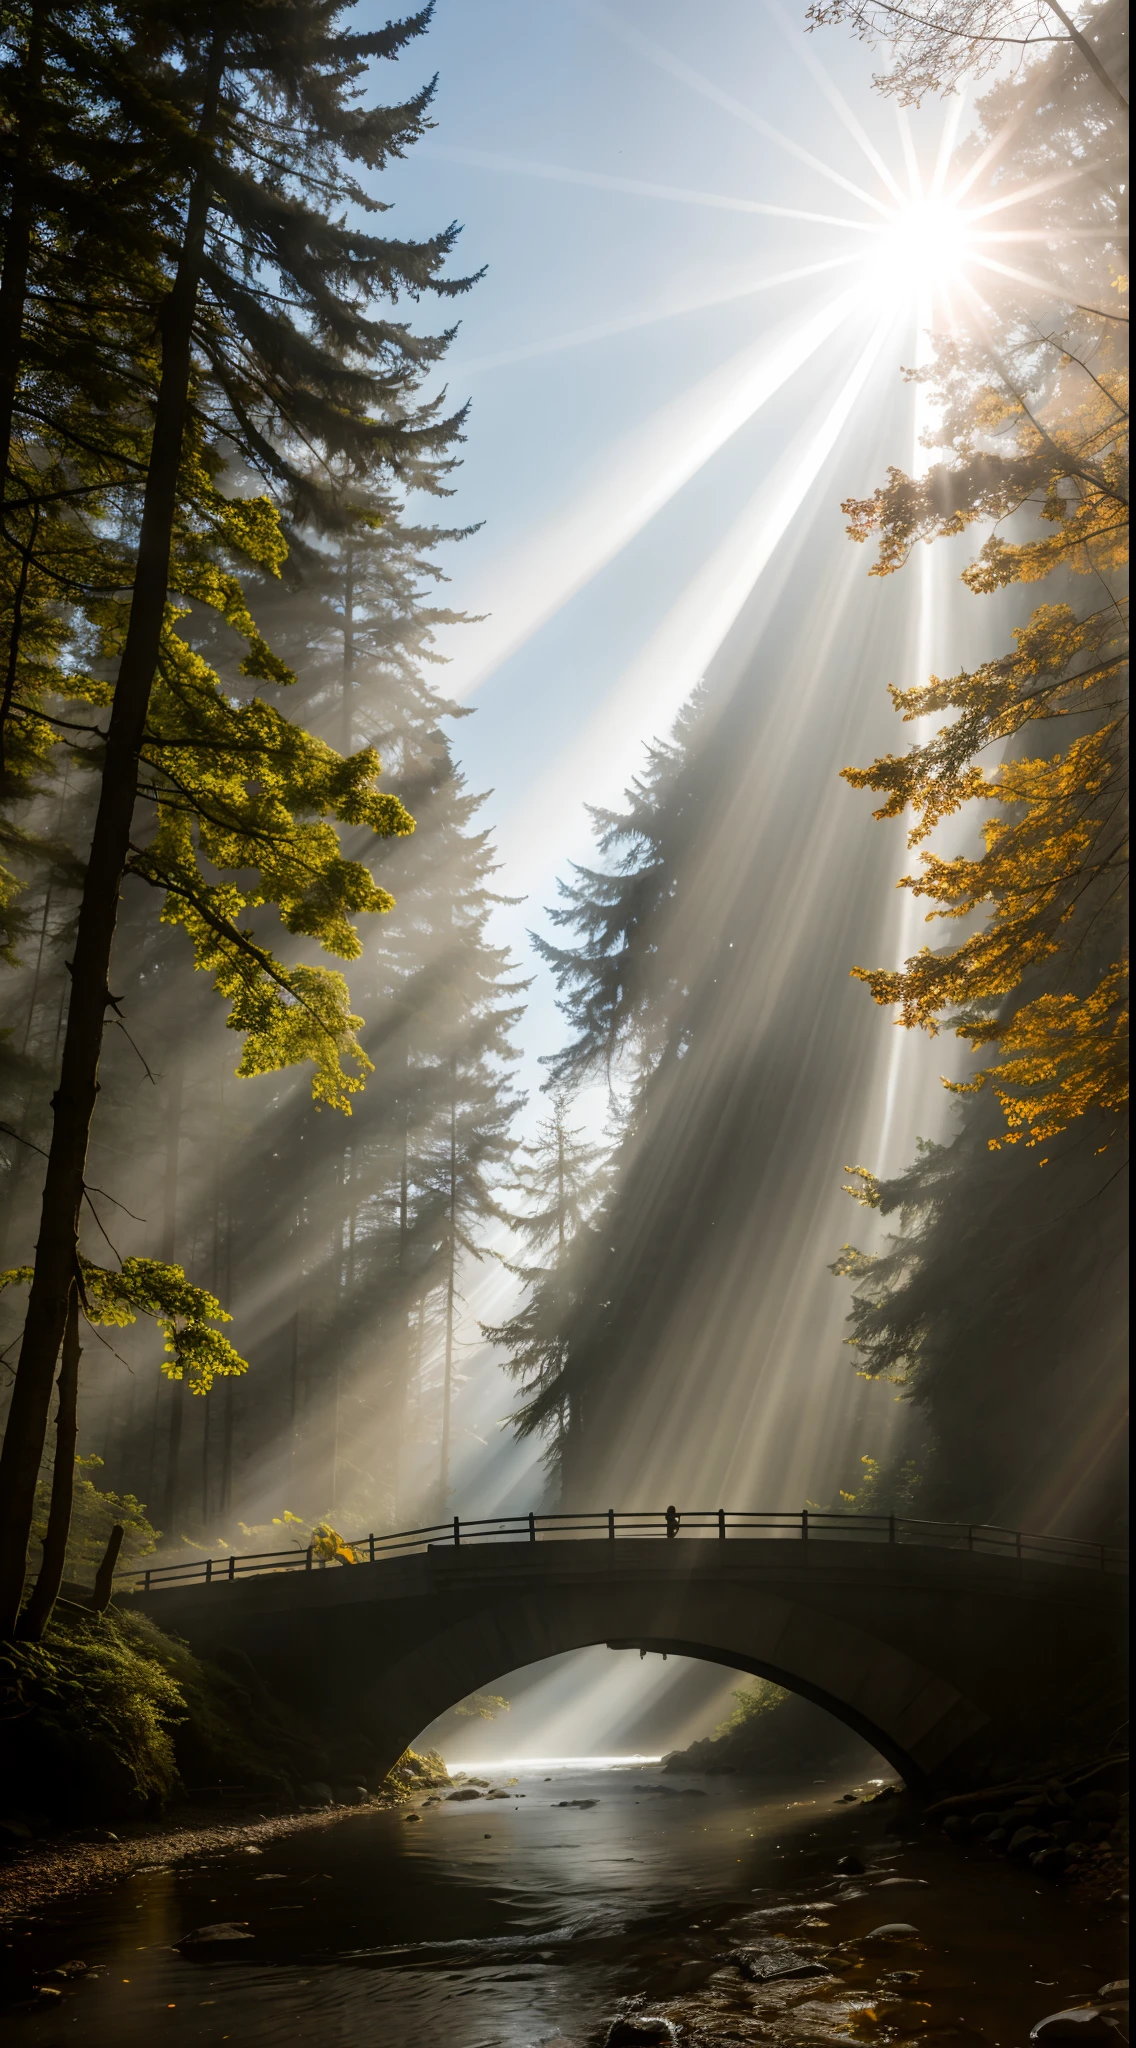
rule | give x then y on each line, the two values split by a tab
1043	978
114	1297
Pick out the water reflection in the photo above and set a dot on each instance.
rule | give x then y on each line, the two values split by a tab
530	1920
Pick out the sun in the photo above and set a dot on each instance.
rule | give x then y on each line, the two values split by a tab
923	245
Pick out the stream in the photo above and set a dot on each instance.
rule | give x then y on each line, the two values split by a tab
528	1922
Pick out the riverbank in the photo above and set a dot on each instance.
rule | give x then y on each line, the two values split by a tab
555	1906
64	1865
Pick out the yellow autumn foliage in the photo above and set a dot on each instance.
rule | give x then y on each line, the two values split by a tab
1043	446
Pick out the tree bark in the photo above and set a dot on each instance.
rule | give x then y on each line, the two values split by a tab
104	1577
75	1097
171	1493
13	297
18	239
45	1592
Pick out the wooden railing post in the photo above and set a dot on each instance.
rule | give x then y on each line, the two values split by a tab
146	1582
532	1528
371	1546
233	1565
804	1525
457	1532
611	1524
311	1554
721	1525
208	1571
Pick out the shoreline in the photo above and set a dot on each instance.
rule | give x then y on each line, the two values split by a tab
48	1869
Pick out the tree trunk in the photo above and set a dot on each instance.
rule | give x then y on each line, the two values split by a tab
104	1577
75	1096
348	704
171	1499
13	295
45	1592
18	238
451	1294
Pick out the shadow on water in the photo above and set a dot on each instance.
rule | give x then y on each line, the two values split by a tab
520	1921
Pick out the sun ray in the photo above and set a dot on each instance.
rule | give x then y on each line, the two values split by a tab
1040	284
642	475
685	73
947	142
641	188
629	323
790	31
910	159
1025	192
679	649
992	151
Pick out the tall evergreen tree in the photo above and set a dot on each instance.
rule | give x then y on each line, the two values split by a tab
267	343
560	1179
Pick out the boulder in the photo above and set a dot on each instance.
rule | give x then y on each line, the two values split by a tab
464	1792
220	1934
316	1794
73	1969
892	1930
1027	1841
412	1816
351	1795
635	2028
771	1965
851	1864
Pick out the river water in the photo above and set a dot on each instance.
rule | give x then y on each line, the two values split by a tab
524	1922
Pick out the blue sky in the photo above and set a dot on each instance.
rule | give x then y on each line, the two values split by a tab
532	98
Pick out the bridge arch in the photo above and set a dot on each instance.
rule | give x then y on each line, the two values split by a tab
932	1652
910	1714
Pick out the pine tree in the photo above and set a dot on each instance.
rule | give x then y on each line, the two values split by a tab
266	341
614	986
561	1180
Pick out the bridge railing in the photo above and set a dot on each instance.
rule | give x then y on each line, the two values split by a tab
807	1525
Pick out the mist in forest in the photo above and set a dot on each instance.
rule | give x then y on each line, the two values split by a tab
570	1243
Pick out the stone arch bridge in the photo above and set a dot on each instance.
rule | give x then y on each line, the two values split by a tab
939	1644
